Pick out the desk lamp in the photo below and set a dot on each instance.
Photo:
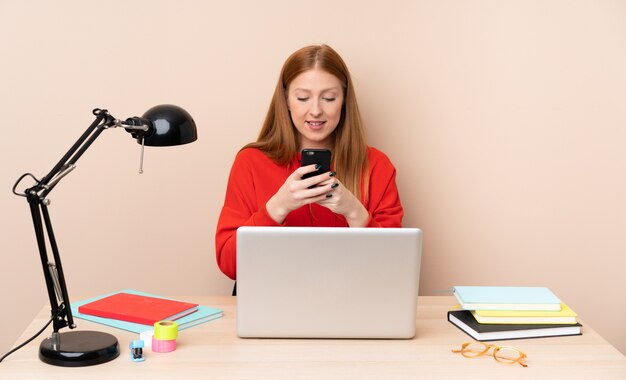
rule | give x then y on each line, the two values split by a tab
163	125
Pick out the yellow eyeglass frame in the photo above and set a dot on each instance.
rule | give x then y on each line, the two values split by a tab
474	350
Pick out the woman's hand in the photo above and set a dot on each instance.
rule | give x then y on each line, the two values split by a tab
295	192
341	201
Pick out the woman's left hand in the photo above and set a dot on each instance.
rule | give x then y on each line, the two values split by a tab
341	201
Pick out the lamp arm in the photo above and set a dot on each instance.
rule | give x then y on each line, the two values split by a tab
36	197
100	115
70	164
59	299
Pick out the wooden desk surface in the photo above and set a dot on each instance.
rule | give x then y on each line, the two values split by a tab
213	350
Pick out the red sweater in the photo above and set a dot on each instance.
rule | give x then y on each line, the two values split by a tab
254	179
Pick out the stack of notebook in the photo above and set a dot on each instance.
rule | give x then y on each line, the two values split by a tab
136	311
497	313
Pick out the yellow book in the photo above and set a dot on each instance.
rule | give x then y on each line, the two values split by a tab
564	316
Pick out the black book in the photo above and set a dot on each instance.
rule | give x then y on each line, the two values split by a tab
464	320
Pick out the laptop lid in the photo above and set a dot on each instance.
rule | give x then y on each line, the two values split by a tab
327	282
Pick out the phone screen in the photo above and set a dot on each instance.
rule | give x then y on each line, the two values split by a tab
316	156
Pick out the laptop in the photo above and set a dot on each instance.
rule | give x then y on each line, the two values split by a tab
327	282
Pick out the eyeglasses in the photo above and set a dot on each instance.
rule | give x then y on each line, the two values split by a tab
502	354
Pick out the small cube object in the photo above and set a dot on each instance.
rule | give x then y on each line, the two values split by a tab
136	351
146	336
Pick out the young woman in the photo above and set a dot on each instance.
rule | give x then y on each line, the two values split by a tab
314	106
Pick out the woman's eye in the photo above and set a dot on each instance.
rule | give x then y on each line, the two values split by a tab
329	99
302	99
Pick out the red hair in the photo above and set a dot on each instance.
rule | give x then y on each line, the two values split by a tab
278	137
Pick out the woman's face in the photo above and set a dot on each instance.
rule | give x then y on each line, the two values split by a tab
315	98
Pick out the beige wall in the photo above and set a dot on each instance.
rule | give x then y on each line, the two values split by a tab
506	121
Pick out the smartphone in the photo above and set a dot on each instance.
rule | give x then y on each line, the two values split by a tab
316	156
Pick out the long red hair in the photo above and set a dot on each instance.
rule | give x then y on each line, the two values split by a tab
278	136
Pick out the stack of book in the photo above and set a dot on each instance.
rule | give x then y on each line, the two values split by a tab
137	311
497	313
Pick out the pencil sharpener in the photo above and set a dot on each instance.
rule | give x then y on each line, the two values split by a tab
136	351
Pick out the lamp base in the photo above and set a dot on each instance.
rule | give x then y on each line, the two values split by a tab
79	349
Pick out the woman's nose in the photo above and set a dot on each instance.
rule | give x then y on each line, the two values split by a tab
315	110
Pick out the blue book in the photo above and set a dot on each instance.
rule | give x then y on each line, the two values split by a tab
506	298
204	314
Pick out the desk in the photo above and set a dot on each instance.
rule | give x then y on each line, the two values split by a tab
213	350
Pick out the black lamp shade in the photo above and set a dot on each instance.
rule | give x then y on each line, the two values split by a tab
170	125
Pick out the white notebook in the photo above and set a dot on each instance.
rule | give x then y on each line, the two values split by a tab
315	282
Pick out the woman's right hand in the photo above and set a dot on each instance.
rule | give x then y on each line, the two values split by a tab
295	192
